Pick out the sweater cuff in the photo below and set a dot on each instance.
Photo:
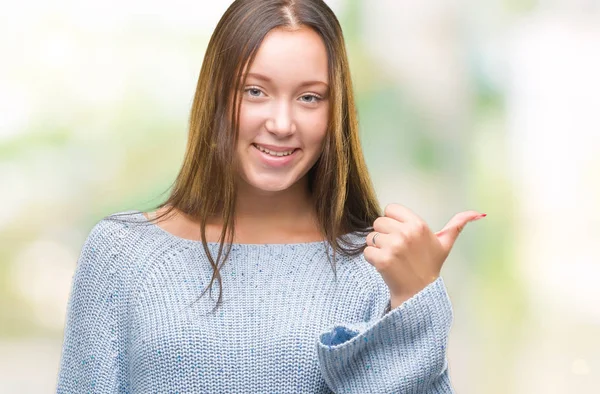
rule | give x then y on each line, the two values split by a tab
402	351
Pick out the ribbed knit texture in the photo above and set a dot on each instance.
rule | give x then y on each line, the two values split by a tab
286	326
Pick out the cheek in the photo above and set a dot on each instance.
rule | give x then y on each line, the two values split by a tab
251	120
316	126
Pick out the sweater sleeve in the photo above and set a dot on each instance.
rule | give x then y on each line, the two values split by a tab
92	359
402	350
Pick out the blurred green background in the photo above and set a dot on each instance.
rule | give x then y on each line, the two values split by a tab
488	105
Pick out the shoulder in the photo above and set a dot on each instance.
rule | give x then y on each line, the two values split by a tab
366	274
103	275
106	233
369	275
375	288
108	241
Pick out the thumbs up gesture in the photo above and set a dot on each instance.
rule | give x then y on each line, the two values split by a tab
406	253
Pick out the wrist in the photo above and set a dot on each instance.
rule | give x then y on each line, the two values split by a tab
397	299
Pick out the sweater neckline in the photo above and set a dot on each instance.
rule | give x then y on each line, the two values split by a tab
155	227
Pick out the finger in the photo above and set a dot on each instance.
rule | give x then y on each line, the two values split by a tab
401	213
374	256
458	219
387	225
448	235
379	242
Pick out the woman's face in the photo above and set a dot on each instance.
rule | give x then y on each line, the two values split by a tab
284	109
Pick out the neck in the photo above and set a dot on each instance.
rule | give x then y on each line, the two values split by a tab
293	205
274	217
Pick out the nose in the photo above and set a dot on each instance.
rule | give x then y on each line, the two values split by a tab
281	120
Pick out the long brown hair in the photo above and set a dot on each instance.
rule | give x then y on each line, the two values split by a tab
342	191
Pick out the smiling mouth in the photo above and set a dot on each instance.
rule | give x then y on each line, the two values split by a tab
274	153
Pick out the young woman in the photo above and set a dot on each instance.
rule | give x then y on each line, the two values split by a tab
318	291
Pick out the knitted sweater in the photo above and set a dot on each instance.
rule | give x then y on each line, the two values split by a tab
285	325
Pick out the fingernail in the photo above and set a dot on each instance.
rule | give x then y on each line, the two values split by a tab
479	217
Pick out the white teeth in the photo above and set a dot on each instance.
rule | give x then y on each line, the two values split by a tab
272	153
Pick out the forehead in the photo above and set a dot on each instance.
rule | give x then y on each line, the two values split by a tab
292	56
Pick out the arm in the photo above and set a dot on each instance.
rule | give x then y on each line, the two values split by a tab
403	351
92	359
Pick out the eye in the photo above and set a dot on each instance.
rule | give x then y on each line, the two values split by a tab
310	98
253	91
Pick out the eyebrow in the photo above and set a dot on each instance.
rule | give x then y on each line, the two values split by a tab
267	79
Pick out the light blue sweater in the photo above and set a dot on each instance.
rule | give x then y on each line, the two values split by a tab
286	326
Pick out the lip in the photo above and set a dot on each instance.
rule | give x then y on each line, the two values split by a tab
273	161
277	148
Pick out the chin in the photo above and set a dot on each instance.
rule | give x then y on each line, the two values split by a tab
268	184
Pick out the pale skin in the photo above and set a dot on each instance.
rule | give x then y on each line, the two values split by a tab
409	255
285	104
287	108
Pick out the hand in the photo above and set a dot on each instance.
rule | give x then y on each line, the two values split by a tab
407	254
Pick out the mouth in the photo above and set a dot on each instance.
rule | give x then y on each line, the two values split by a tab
275	159
274	153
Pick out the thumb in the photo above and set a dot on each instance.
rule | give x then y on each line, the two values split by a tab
448	235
